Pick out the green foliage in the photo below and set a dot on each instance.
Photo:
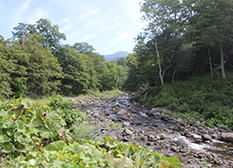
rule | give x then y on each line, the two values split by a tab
65	109
35	64
106	153
98	94
109	79
199	97
26	125
79	72
85	131
43	76
193	37
26	71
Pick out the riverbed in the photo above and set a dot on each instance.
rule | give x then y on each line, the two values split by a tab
194	145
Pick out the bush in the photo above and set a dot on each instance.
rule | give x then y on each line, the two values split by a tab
210	98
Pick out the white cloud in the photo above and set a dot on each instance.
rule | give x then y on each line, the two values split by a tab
40	13
118	39
65	20
87	37
21	10
65	28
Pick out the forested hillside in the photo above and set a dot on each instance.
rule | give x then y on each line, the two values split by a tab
35	63
182	39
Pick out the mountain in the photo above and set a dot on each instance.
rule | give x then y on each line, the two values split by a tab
113	57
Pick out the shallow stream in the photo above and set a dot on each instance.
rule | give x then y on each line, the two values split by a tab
167	135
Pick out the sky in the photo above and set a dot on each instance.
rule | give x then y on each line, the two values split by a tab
108	25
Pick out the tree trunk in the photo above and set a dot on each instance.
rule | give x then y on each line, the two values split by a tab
210	62
173	76
222	61
160	69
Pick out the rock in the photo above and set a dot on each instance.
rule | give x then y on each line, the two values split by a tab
126	138
180	142
143	138
127	132
151	138
214	136
125	124
206	137
227	137
121	112
154	112
165	117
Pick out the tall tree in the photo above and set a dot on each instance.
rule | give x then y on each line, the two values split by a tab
79	72
50	35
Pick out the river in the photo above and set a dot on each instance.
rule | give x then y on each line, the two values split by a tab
194	145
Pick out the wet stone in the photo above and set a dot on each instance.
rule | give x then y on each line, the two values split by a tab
227	137
206	137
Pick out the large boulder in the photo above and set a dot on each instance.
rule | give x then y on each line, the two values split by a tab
227	137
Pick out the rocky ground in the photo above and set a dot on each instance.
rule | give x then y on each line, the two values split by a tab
194	145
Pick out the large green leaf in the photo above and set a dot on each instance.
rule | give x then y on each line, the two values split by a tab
37	122
24	140
7	147
26	103
21	126
174	161
4	138
56	146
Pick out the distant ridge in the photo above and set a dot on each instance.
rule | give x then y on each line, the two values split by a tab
113	57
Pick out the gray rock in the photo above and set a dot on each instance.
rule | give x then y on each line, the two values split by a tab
227	137
151	138
127	132
206	137
125	124
180	142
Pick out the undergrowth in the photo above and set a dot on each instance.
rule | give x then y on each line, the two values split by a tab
98	94
199	97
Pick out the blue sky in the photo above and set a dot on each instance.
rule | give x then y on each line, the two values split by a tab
108	25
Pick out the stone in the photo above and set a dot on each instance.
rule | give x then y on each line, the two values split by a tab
154	112
125	124
125	138
127	132
180	142
151	138
227	137
206	137
143	138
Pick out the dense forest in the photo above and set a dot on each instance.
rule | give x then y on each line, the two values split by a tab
182	39
35	63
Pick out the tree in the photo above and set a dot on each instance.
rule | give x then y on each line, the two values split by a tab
159	63
6	67
79	72
50	35
96	59
165	20
43	70
109	79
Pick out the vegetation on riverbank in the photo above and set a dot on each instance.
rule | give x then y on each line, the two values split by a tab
44	135
197	97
